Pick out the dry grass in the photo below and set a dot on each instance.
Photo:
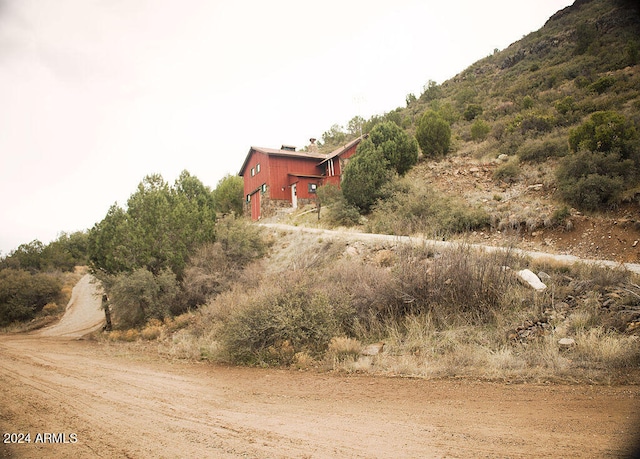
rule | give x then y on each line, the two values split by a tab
441	313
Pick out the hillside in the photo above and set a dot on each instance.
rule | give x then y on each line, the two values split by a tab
511	116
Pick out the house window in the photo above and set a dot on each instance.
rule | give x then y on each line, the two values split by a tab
253	171
248	198
313	187
257	168
263	188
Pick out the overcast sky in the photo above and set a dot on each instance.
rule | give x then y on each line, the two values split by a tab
97	94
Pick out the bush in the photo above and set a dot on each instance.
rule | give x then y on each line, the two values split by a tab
213	267
433	134
463	287
480	130
23	295
139	296
566	105
593	180
602	84
398	149
538	150
606	131
507	172
276	326
472	111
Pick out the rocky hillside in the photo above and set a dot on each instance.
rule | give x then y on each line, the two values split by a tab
512	114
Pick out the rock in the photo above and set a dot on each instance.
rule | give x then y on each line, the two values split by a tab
503	157
567	342
529	278
544	277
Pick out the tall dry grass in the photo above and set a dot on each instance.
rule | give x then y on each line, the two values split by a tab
441	313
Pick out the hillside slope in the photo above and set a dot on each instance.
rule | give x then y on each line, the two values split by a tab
511	116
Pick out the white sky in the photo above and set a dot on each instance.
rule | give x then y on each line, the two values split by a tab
96	94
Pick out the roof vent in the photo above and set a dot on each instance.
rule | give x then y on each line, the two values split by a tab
288	148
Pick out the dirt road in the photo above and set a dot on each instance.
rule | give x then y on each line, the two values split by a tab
100	400
353	235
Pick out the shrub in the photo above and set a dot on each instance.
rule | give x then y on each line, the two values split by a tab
527	102
602	84
433	134
507	172
414	208
465	286
480	130
23	295
537	150
212	268
139	296
566	105
605	131
274	327
593	180
537	122
472	111
398	149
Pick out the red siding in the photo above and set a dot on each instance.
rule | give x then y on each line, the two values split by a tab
282	171
251	183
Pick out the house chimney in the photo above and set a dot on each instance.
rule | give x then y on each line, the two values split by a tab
312	148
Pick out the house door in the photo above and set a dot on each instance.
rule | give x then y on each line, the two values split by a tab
294	195
255	206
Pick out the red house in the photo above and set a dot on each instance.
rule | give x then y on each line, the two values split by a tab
286	177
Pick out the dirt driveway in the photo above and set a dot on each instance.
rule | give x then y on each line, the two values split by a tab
101	400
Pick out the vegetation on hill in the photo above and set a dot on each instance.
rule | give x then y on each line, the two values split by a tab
36	279
167	252
559	107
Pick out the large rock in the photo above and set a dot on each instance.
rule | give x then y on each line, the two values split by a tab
528	277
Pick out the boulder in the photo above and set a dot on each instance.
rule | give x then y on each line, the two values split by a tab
567	342
528	277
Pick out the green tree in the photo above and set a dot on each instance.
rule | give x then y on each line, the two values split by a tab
161	225
364	176
26	256
433	134
398	148
66	252
355	126
229	195
431	91
334	137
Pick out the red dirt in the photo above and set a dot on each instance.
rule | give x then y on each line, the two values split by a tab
136	405
106	400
